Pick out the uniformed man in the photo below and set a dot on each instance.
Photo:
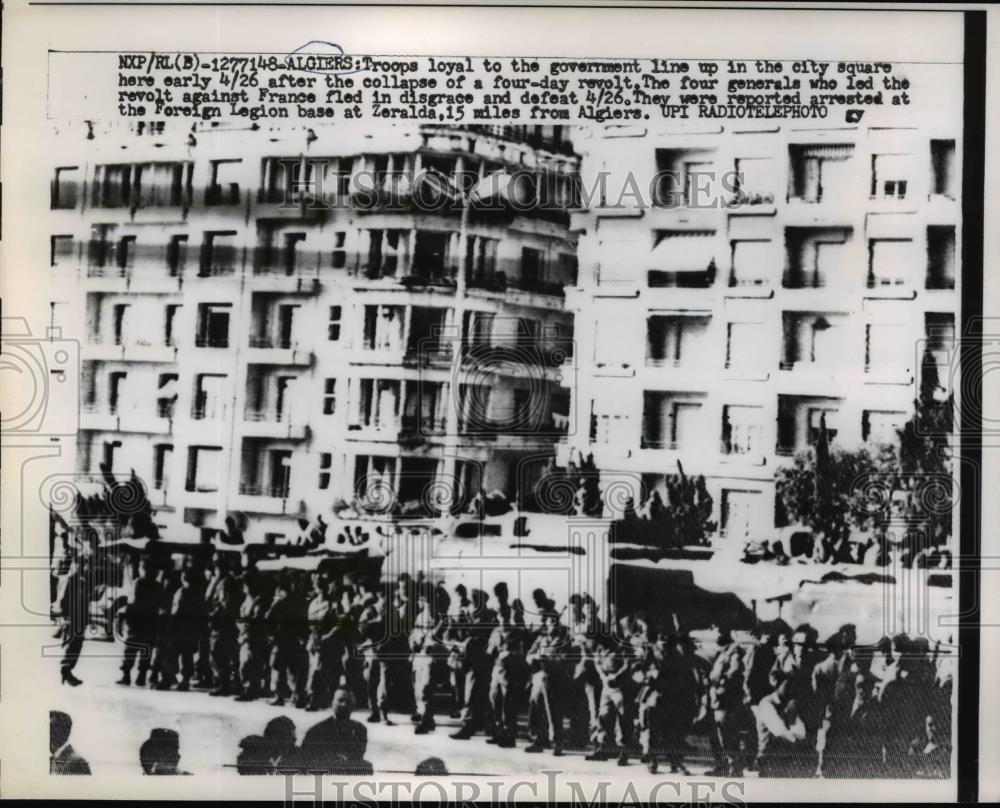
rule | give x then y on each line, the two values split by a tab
478	667
140	620
289	663
226	595
547	659
614	666
186	611
252	639
508	684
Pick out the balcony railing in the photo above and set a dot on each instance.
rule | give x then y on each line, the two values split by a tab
211	342
223	194
254	489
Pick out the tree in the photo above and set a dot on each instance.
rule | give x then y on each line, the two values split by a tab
925	455
829	489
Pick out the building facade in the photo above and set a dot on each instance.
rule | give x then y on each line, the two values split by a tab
275	322
739	283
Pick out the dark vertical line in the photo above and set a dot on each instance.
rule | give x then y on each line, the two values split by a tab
970	422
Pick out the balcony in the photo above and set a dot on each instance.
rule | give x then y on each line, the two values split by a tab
95	418
223	194
129	352
266	423
255	497
276	351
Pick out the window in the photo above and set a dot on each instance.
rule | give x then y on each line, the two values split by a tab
337	179
284	178
817	170
532	268
163	184
290	251
213	325
209	392
683	177
383	328
812	338
66	188
814	422
939	330
814	257
478	330
431	256
166	395
112	186
162	452
943	168
329	396
881	426
755	181
669	423
169	317
325	464
889	262
116	386
119	312
177	254
60	250
224	188
204	469
339	257
744	346
333	326
673	339
752	262
739	513
741	427
110	449
940	257
890	173
218	253
887	349
126	252
481	260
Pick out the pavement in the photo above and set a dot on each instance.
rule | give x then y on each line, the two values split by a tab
111	721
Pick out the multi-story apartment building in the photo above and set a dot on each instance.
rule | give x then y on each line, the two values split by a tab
276	321
738	283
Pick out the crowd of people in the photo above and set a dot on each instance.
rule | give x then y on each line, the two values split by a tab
777	701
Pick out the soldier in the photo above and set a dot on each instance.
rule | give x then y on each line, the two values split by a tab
478	667
322	615
140	617
223	610
75	607
507	686
614	666
726	683
374	623
162	666
547	659
799	665
428	657
186	612
286	621
252	638
456	640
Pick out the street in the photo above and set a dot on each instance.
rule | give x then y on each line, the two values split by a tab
110	722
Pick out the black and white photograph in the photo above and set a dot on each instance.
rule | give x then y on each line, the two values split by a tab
569	423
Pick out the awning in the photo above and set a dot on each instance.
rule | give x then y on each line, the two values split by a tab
683	253
516	189
431	185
